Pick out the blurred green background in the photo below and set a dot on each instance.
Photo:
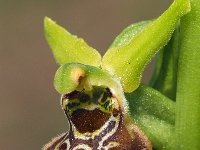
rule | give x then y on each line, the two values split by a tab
30	114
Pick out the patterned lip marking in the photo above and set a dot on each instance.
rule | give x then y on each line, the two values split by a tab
98	98
97	122
106	95
83	96
71	95
96	143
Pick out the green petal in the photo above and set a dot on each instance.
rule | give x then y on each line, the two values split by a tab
76	76
67	48
72	76
128	61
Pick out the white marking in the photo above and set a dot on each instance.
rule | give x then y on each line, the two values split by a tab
52	141
68	143
117	119
89	135
111	145
82	146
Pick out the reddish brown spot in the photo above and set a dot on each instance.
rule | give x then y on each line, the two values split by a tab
115	112
89	120
63	146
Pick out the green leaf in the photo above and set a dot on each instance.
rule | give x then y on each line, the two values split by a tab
154	114
67	48
128	61
148	100
159	132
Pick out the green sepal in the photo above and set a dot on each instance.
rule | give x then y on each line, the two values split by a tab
127	62
154	113
67	48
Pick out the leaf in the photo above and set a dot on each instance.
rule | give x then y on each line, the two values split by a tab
154	114
128	61
67	48
151	101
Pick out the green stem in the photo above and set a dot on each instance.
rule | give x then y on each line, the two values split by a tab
188	84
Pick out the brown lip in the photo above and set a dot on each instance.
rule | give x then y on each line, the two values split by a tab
89	120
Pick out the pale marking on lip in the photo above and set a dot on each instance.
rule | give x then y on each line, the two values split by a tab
88	135
82	146
117	119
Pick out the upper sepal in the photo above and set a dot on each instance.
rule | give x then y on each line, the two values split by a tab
67	48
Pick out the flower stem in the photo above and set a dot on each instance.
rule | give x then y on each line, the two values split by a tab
188	82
